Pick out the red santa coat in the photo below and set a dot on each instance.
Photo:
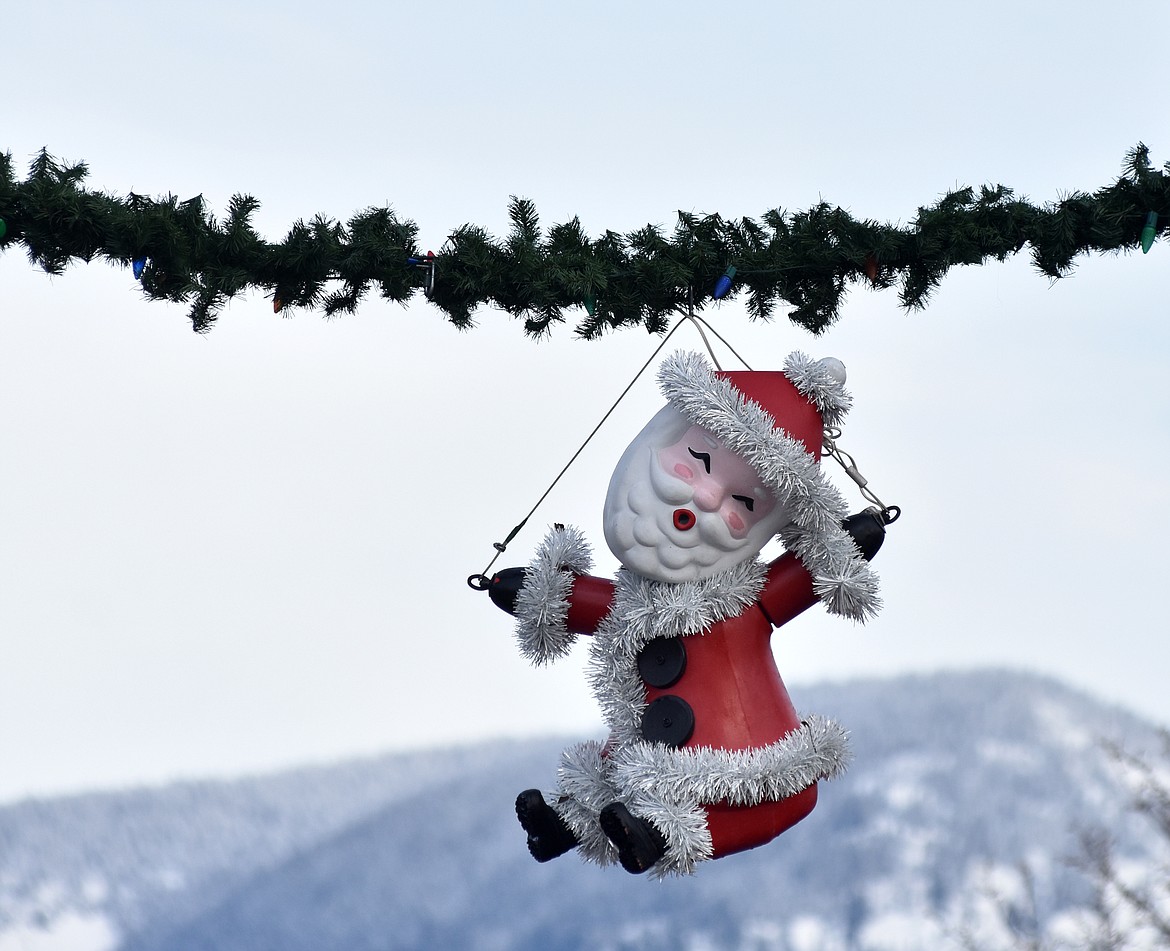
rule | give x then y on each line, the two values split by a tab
732	685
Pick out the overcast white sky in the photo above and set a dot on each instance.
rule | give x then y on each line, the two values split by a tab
244	550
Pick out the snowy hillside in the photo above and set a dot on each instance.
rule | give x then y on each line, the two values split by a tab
956	778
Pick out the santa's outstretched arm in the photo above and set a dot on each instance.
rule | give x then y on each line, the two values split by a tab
553	599
790	588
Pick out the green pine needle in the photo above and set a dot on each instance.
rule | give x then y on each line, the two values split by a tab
802	261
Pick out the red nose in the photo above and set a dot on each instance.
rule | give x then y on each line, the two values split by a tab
684	519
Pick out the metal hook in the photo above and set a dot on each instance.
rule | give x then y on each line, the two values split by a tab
890	513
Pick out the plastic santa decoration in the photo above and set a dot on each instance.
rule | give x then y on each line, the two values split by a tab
706	754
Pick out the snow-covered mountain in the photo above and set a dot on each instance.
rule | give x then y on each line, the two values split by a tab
956	779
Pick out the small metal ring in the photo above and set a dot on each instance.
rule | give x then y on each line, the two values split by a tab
479	582
891	513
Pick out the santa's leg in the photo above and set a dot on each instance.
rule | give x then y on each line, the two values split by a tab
638	842
737	828
548	836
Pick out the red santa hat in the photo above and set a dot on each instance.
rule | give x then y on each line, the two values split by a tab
776	420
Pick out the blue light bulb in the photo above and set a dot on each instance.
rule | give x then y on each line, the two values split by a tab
723	285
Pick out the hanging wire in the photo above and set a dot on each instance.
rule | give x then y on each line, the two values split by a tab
690	315
718	336
480	582
889	513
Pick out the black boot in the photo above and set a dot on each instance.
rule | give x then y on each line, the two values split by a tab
548	836
639	844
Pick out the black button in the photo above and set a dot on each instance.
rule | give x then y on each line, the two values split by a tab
668	720
662	661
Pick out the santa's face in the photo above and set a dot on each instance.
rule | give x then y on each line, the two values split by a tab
681	506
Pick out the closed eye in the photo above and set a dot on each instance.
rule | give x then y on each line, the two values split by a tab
703	457
747	500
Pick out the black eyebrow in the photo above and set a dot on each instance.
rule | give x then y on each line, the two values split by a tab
747	500
705	457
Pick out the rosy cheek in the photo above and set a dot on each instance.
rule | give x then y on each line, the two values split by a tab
735	523
684	472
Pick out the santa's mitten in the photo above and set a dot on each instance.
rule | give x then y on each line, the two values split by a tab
868	530
504	587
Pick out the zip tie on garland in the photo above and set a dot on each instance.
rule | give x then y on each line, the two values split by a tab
429	266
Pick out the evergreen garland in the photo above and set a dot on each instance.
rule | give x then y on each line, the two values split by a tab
805	260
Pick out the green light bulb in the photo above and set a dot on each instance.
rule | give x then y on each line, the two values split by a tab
1149	231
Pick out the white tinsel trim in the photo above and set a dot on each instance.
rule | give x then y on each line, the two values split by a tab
586	787
684	827
817	383
669	787
542	604
584	790
818	750
842	579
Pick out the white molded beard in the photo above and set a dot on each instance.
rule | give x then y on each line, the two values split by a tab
639	515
